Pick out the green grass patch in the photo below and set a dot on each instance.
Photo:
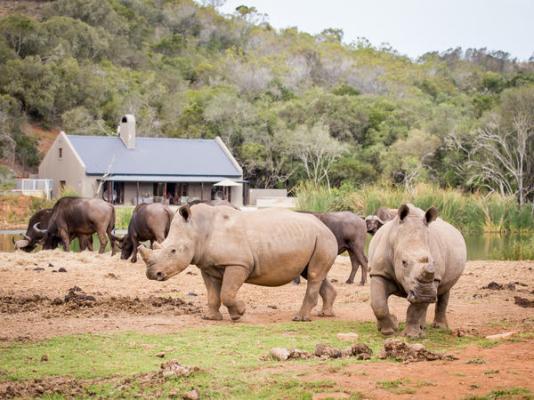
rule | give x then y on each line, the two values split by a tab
229	357
505	394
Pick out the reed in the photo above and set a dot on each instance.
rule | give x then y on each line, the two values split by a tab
470	212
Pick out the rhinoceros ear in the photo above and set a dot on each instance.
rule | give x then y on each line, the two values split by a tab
403	211
431	215
185	212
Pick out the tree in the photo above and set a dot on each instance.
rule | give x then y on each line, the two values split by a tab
317	151
502	159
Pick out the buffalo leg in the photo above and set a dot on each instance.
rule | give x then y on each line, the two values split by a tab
328	294
415	320
109	234
362	260
213	286
440	317
102	238
233	279
64	235
135	244
381	289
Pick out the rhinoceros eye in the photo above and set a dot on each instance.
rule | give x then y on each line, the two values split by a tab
173	251
404	263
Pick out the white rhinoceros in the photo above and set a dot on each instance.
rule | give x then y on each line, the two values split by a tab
418	257
267	248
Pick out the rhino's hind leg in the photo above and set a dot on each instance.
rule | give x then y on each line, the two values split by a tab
415	319
328	294
381	289
310	300
440	317
233	279
213	286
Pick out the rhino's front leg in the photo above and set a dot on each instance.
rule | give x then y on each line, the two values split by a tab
233	279
381	289
415	320
440	317
213	286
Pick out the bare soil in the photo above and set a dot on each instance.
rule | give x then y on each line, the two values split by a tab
116	296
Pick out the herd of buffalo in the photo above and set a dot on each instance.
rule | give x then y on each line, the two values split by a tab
412	254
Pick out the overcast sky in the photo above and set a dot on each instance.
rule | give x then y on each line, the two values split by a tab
413	27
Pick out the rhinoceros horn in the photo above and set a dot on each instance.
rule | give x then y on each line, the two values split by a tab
145	253
427	274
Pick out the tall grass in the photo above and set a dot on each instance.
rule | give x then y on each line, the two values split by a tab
469	212
123	215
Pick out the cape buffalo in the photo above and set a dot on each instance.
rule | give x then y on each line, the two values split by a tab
149	222
383	215
350	232
267	248
33	236
75	216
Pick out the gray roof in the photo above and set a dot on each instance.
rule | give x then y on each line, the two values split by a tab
153	156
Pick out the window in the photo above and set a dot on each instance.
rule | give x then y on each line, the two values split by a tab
60	152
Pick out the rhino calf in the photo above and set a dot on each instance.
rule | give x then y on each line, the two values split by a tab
418	256
266	248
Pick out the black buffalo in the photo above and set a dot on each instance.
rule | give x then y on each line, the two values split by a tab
34	236
350	231
78	217
149	222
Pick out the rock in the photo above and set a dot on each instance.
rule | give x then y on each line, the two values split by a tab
38	269
296	354
161	354
111	275
173	368
402	351
61	269
327	351
44	358
50	265
500	336
192	294
522	302
57	301
280	353
273	306
192	395
493	286
361	351
348	337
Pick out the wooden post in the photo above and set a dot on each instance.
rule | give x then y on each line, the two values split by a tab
164	192
137	201
201	191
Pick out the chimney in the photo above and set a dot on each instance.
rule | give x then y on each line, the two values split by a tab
127	131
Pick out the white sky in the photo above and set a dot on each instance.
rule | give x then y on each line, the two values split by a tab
412	27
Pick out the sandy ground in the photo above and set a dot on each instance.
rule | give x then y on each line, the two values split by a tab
31	308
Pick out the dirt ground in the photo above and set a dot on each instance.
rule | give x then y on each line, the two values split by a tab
116	296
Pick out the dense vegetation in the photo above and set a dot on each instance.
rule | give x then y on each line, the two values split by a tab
292	106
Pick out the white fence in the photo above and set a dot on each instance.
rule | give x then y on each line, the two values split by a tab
35	187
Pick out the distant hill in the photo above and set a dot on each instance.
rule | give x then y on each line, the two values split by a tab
292	106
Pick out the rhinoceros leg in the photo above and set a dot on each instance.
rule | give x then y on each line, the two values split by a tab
233	279
440	317
381	289
213	286
310	300
328	294
415	320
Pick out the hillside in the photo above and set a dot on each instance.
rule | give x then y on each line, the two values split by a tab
292	106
